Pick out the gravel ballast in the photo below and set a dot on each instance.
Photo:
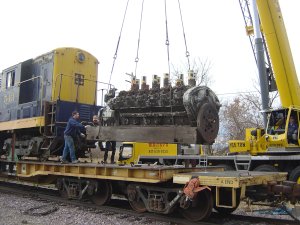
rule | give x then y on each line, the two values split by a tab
16	210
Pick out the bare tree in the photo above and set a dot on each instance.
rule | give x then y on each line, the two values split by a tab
273	96
238	115
201	69
244	112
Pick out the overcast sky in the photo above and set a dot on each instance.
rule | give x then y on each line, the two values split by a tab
214	31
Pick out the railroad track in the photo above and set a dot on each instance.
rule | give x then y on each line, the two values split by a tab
120	206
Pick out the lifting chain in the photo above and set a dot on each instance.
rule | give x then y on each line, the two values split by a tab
167	36
117	48
139	38
138	45
187	54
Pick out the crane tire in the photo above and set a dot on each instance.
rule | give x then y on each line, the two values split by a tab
266	168
226	167
295	175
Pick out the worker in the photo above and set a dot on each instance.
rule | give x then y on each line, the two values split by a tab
95	120
72	131
292	131
278	125
110	146
280	121
96	123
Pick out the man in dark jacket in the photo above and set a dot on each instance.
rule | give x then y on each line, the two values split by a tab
110	146
292	131
71	132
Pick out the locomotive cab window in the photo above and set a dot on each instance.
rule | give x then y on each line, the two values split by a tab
10	79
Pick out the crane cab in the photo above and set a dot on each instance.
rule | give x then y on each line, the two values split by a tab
281	134
283	128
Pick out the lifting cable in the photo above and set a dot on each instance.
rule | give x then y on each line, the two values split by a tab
138	45
168	53
117	48
167	36
187	54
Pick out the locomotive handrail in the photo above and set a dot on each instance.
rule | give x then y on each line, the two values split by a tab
60	77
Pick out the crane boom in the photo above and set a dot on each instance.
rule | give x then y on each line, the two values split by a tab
280	52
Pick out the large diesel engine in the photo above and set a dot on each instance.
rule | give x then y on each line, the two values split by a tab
169	108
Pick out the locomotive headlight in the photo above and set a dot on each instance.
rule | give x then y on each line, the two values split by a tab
80	57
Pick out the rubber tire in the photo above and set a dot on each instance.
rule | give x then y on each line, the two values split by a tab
265	168
226	167
295	175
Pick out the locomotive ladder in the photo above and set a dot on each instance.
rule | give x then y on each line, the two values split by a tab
49	129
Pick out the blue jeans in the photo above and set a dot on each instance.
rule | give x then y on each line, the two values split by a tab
69	148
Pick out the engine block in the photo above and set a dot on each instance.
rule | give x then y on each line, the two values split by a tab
178	106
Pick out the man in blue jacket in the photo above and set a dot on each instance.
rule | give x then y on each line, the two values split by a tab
292	131
71	132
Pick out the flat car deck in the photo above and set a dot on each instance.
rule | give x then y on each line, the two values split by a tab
233	179
142	173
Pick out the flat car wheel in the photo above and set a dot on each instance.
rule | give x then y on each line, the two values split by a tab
134	200
103	194
200	208
63	193
61	189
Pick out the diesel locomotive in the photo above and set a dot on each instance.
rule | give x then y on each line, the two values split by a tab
37	97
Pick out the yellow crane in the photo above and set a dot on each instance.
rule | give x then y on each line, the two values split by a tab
276	133
275	147
271	148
